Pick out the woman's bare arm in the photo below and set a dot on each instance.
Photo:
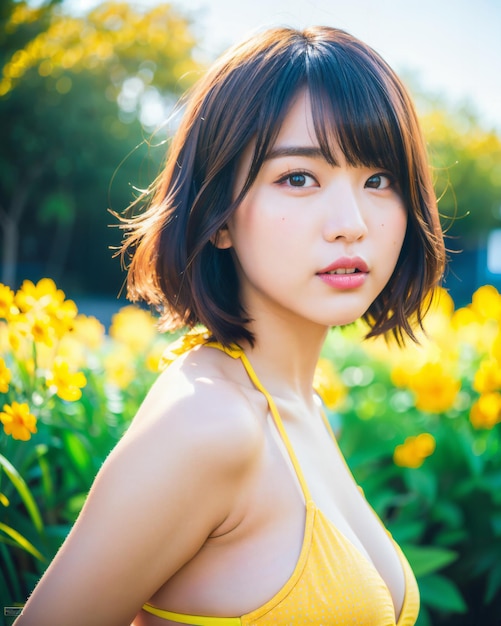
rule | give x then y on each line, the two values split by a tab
162	491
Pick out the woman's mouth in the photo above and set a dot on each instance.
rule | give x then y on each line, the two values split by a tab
345	273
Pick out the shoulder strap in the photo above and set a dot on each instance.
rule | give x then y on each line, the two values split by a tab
237	353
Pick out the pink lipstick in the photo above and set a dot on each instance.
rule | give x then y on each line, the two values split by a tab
345	273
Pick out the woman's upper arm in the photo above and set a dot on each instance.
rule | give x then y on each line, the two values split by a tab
142	520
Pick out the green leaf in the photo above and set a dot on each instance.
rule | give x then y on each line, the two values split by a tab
21	541
496	523
23	491
74	506
9	576
449	513
493	480
425	560
79	455
424	617
405	531
422	483
57	207
441	593
451	537
493	584
47	481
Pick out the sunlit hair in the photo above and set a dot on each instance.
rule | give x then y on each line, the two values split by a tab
357	102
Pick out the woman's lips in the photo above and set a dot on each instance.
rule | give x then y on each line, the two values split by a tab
345	273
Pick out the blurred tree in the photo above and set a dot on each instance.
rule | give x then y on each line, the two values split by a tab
467	168
77	95
466	160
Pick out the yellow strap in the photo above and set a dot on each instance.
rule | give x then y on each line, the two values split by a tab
194	620
236	352
200	336
195	337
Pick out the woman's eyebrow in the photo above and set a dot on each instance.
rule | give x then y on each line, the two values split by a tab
304	151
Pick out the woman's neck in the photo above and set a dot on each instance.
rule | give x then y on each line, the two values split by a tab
285	356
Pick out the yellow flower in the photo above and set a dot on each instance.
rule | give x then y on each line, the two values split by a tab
39	296
67	385
6	302
86	335
486	303
133	327
42	330
18	421
328	384
16	339
70	350
435	389
438	317
488	376
463	317
46	308
486	411
119	366
154	356
442	302
401	376
469	328
4	337
478	323
63	316
89	331
5	376
414	450
35	325
496	348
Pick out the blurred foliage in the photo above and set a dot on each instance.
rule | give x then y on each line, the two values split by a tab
420	427
466	161
81	96
78	95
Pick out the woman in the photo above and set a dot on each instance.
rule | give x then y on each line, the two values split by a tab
296	196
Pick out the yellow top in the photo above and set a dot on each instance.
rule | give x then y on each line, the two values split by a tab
332	583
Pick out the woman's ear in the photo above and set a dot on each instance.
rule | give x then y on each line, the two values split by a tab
222	239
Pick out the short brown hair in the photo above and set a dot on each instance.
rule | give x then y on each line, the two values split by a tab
356	99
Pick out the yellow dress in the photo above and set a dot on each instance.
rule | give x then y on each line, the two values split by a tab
333	583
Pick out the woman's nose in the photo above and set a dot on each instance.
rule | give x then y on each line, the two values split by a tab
345	219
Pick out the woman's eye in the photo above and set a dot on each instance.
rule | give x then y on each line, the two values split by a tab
379	181
298	179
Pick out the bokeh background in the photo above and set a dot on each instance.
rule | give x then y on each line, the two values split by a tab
87	105
86	87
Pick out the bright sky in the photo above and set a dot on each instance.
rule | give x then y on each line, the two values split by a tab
453	46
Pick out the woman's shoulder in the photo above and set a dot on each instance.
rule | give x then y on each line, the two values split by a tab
195	426
204	400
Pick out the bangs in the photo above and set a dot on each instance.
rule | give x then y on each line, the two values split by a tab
357	107
355	111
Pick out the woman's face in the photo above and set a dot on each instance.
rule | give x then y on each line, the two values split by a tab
313	242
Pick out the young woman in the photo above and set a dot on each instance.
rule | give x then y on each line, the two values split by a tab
296	196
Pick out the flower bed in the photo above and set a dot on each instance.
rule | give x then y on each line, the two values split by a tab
419	426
